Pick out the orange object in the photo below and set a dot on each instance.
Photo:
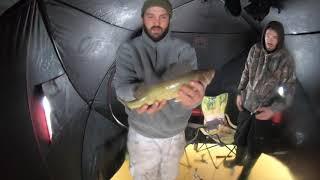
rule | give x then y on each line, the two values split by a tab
277	118
197	112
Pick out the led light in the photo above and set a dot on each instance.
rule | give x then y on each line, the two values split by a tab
47	111
281	91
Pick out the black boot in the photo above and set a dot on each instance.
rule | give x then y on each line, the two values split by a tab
238	160
249	162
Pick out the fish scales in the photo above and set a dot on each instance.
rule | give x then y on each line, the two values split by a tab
168	90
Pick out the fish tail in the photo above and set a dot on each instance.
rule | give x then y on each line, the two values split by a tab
130	104
122	101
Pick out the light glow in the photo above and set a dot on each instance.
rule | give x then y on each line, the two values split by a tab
47	111
281	91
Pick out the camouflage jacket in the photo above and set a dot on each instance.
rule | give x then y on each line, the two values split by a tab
263	74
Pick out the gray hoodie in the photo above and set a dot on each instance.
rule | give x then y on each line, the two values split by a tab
143	61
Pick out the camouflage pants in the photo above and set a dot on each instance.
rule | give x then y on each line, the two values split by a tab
155	158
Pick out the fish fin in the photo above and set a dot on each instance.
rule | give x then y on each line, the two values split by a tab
176	70
122	101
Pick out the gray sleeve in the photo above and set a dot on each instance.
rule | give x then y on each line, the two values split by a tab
125	79
188	56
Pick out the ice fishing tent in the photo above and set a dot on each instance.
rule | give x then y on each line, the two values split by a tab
64	50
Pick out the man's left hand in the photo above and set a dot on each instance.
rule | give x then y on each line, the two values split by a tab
264	113
191	94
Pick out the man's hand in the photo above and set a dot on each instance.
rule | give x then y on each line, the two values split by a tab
150	109
239	102
191	94
264	113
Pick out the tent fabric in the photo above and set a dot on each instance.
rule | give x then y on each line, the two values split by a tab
65	49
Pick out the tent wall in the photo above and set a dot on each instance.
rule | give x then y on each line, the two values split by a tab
302	29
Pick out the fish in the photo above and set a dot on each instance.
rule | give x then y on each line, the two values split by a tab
168	89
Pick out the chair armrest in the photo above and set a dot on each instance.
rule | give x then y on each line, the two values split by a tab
196	126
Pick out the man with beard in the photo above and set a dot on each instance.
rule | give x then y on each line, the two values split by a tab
269	66
156	138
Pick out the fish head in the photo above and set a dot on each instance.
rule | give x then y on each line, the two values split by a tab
206	76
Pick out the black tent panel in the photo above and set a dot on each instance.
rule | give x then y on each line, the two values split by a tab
2	9
20	150
177	3
66	105
302	121
297	16
104	147
206	17
300	20
121	13
307	62
43	63
5	4
69	114
215	50
60	54
106	103
87	46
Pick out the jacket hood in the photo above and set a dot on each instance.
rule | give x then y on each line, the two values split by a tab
278	27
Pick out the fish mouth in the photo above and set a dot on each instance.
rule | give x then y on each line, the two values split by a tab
208	77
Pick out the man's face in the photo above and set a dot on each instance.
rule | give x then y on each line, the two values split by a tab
156	21
271	39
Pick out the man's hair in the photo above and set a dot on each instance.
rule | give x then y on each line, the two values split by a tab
160	3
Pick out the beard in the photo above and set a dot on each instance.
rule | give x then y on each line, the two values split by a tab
270	49
156	39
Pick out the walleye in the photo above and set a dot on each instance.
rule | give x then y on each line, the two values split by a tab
167	90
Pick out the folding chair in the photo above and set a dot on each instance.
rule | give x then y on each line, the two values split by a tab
216	127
